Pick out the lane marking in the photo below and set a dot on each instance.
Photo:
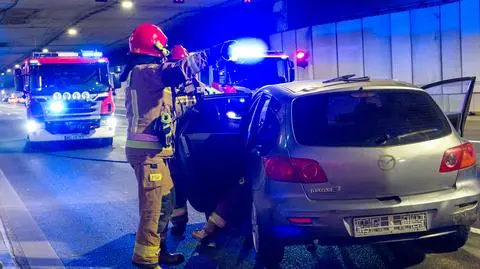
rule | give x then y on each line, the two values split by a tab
475	230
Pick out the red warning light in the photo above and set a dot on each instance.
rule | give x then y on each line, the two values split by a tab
301	54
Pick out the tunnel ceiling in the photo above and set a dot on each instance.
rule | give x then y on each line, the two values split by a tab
27	25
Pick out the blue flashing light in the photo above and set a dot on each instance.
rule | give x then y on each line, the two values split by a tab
92	54
242	100
56	106
248	51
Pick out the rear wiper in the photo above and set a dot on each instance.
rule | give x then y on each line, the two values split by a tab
347	78
426	131
387	137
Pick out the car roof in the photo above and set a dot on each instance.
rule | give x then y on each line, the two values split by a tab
298	88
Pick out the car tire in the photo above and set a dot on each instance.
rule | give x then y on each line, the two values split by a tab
269	252
450	242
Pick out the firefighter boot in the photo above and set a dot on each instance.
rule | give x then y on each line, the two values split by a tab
169	258
208	232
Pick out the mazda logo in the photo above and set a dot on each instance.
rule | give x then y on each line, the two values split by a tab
386	162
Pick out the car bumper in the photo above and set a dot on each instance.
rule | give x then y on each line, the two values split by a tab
42	135
332	220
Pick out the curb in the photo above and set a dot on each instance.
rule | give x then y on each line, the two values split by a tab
7	260
29	245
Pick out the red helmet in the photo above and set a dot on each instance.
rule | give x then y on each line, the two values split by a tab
178	52
148	39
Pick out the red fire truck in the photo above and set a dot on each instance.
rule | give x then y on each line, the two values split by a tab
69	96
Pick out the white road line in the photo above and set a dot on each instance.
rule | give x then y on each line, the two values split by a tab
6	243
475	230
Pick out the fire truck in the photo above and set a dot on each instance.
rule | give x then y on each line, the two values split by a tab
69	96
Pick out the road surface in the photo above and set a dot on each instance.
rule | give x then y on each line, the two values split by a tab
77	208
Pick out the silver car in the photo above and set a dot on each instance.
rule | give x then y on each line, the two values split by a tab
349	160
359	161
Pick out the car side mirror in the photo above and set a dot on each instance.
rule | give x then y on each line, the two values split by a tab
19	80
116	81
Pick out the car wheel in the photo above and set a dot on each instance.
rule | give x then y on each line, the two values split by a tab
269	252
450	242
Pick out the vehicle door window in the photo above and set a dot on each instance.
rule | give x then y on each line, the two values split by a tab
254	116
268	130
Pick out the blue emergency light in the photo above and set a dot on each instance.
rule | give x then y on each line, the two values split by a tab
92	54
247	50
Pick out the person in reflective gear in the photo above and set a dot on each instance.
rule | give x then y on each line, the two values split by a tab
152	112
180	213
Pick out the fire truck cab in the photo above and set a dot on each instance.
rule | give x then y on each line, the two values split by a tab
69	96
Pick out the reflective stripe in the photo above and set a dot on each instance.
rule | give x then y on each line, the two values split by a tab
146	252
219	221
165	152
142	137
179	212
134	111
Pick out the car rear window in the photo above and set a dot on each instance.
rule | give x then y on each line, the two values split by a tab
367	118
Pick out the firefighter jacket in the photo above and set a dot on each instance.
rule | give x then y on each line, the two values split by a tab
154	100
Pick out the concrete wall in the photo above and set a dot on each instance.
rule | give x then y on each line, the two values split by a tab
420	46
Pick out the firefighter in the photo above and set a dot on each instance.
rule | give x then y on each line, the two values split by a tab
151	106
180	214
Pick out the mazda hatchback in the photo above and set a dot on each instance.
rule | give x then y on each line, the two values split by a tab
349	160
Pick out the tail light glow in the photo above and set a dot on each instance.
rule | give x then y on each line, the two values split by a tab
294	170
458	158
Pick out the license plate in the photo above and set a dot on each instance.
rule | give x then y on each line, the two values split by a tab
390	224
74	137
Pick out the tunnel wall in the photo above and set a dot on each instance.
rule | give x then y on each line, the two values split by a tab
420	45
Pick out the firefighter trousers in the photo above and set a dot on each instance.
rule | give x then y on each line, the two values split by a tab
156	198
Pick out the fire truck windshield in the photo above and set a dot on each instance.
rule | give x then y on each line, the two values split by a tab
49	78
269	71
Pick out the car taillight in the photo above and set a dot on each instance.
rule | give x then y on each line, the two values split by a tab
294	170
108	106
459	157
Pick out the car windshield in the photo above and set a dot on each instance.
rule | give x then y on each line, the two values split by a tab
253	76
370	118
49	78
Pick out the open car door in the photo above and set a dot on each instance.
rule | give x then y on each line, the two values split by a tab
453	96
211	149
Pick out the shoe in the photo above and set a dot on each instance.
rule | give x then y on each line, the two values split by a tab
207	233
169	258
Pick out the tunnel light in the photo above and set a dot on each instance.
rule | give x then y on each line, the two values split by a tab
56	106
3	91
44	50
76	96
3	74
32	126
248	50
72	31
126	4
9	70
17	66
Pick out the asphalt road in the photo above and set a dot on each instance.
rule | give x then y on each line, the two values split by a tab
76	207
